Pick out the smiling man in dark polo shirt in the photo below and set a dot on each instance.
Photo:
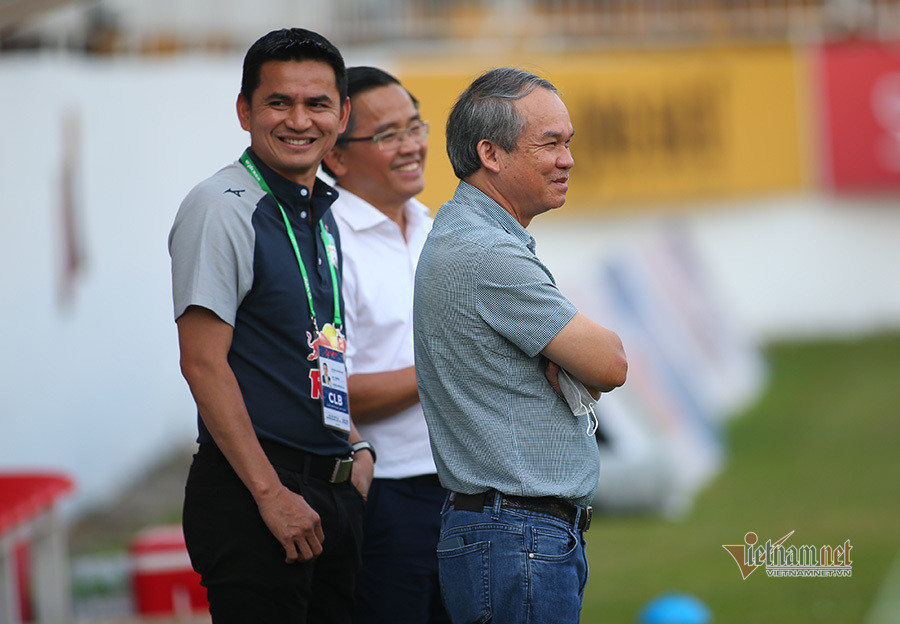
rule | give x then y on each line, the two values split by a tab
274	500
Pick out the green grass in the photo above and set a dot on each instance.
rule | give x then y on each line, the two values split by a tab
816	454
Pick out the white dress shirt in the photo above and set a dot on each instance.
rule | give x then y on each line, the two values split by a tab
378	279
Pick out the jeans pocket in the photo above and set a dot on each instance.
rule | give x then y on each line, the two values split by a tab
557	569
552	543
464	571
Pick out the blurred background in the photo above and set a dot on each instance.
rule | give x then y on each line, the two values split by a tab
735	195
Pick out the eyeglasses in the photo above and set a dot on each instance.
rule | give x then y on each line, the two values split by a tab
392	139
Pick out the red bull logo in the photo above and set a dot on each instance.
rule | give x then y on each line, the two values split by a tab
314	345
329	338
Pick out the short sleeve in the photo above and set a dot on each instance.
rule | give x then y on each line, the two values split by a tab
211	246
517	296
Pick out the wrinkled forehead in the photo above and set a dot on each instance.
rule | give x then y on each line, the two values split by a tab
383	105
297	78
544	115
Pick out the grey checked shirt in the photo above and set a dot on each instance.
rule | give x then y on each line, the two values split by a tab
485	307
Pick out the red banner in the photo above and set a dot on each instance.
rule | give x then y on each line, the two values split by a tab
861	87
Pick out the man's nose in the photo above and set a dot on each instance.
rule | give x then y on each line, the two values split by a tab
409	143
297	118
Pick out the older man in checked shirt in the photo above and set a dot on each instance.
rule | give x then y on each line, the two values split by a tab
494	338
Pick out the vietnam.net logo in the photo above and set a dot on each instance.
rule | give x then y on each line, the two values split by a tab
781	559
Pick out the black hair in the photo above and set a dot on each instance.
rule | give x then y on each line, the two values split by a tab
361	79
291	44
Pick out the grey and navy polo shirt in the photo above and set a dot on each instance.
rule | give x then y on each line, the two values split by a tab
231	254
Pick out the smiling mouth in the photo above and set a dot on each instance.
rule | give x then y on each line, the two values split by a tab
296	142
413	166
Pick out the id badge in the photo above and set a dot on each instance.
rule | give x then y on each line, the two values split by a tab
333	375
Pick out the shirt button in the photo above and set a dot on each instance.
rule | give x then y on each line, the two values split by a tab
320	261
303	215
304	192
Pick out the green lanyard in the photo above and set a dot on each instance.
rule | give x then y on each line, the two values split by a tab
248	163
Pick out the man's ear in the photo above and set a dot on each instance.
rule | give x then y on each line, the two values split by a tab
489	156
345	114
243	112
335	161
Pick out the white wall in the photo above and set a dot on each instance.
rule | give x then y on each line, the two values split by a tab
95	388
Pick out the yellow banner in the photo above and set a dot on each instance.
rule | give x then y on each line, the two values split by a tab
661	126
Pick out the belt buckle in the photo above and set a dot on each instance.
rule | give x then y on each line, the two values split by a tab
588	514
343	466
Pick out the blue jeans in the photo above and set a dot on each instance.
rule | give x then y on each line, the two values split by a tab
510	566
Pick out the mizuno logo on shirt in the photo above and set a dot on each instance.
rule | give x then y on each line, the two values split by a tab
238	193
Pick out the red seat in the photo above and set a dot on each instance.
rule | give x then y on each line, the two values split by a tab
25	495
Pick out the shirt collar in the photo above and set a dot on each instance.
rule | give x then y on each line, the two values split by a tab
293	196
361	215
491	210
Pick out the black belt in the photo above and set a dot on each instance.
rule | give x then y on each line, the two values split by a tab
325	468
544	504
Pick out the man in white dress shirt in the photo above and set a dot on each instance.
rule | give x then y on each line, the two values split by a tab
378	165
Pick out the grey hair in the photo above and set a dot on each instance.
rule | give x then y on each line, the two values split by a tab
486	110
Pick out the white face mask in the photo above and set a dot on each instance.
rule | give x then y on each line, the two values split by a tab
579	399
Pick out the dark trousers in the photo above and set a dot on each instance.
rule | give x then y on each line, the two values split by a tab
398	582
242	564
